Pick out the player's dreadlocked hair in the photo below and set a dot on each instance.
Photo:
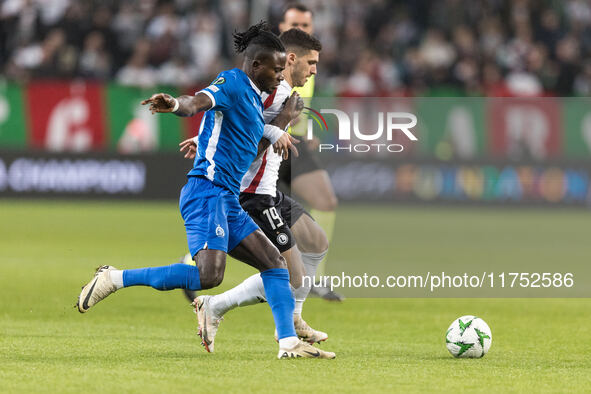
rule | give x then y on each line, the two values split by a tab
299	41
257	37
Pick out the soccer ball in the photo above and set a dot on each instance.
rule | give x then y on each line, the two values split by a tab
469	337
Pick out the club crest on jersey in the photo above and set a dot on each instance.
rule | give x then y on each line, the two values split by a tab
282	239
219	231
219	81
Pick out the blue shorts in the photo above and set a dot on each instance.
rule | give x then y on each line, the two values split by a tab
213	216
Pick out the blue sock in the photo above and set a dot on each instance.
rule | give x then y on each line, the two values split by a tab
169	277
280	299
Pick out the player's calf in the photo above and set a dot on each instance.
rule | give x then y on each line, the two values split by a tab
187	259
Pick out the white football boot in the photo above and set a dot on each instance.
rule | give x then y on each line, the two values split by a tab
208	322
305	332
304	350
97	289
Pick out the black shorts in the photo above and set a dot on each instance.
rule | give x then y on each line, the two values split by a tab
274	215
307	161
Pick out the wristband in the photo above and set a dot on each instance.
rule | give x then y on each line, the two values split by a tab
272	133
176	105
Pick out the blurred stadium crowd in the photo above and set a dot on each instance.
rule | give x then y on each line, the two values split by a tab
371	47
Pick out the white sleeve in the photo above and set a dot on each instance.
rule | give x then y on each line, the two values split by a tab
272	133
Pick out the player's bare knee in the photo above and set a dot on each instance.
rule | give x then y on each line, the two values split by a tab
211	271
306	244
211	279
320	243
217	279
315	240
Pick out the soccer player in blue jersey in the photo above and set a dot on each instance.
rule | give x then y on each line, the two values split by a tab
215	223
282	219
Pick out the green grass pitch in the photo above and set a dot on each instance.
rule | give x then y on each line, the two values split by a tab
141	340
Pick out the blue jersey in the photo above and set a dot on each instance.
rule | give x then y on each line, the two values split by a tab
230	131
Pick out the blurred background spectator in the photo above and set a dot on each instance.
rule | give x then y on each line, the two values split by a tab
371	47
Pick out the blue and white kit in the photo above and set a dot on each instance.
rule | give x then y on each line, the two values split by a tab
226	146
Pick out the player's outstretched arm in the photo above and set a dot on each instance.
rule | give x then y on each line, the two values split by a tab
181	106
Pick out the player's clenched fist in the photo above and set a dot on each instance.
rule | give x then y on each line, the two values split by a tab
161	102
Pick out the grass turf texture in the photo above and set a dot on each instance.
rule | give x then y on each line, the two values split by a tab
144	340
